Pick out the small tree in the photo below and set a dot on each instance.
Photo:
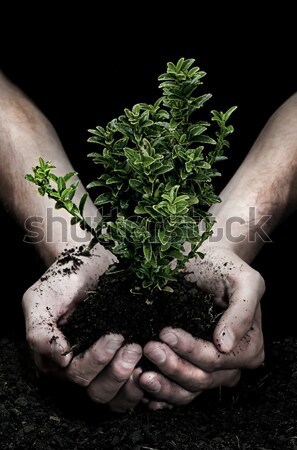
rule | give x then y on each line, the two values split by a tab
156	180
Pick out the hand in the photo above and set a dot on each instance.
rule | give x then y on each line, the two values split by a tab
107	370
190	365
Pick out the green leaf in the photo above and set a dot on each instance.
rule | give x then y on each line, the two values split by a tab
61	184
196	130
188	63
177	254
199	102
113	180
95	184
53	177
82	203
102	199
155	181
75	220
42	163
140	210
68	205
137	185
136	109
179	64
163	238
69	175
220	158
163	169
147	251
204	139
41	191
229	112
65	193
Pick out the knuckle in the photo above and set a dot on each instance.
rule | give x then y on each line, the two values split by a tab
202	381
119	374
102	359
174	368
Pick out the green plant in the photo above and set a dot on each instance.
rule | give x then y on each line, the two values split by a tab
157	165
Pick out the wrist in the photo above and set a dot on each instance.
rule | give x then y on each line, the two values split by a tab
50	252
240	227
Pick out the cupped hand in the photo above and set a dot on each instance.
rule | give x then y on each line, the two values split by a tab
106	370
188	365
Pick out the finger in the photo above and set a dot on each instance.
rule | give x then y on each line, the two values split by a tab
42	332
108	383
129	395
154	405
249	353
238	318
164	390
188	375
48	341
85	367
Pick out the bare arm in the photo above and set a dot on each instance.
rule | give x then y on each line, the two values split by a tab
107	370
264	185
25	134
261	193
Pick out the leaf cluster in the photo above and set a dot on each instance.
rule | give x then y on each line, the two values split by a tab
155	183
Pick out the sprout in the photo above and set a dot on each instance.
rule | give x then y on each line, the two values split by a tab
156	178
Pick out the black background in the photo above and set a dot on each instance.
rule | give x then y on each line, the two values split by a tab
84	66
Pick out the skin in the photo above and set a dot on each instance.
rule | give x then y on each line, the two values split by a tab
267	181
188	366
107	371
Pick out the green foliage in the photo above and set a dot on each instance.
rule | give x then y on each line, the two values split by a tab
155	183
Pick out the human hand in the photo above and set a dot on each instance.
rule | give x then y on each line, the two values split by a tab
107	370
188	365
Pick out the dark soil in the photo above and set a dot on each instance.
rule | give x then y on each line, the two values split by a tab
260	413
112	308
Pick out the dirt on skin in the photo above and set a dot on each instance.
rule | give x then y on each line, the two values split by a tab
260	413
38	413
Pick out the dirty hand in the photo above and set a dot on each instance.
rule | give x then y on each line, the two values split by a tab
107	370
189	365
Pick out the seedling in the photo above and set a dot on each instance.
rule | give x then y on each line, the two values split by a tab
155	184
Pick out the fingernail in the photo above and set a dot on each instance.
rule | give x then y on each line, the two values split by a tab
136	374
130	357
113	345
153	385
227	341
158	355
170	338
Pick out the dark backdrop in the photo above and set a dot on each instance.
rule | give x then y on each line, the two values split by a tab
83	69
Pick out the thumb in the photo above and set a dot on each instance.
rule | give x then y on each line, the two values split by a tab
49	343
238	318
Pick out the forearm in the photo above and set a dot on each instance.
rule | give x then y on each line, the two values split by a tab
264	189
25	134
